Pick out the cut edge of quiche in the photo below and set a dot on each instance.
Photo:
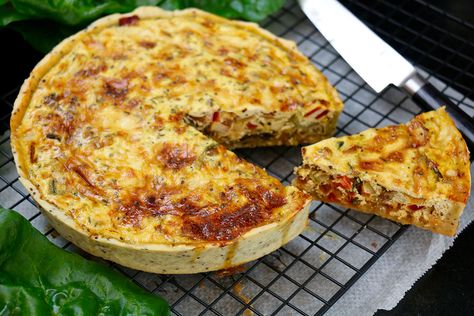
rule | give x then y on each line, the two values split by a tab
176	258
415	173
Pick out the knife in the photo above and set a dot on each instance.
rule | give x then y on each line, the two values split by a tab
377	62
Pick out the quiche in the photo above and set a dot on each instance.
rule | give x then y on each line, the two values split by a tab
119	134
416	173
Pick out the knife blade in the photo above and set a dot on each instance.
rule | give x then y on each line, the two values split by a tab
377	62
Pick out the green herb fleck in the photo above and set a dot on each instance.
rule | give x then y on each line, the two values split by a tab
356	183
434	168
356	201
52	187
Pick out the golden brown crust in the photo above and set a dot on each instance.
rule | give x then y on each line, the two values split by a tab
72	134
416	173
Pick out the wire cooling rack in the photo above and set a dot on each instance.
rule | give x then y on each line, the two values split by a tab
309	274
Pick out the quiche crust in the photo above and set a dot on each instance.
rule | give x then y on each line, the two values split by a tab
182	258
415	173
128	176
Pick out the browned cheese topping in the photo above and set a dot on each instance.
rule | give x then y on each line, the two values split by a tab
107	137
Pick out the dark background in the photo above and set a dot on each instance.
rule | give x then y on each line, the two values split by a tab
437	36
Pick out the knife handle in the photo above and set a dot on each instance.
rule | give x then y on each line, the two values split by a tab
429	98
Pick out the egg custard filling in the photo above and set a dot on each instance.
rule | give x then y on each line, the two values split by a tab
120	135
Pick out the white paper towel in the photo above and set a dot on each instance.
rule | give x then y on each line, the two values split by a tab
395	272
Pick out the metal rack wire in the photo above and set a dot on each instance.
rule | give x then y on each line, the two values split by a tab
309	274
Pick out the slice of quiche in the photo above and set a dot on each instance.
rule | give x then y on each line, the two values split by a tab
416	173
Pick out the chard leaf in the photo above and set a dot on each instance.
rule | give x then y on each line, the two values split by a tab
38	278
44	23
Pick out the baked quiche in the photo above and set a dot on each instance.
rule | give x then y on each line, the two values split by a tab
119	135
416	173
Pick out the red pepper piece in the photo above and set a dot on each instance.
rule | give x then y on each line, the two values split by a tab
251	126
215	116
345	182
322	114
415	207
312	111
129	20
332	197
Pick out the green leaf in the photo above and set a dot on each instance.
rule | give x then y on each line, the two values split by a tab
251	10
75	12
8	14
43	35
44	23
38	278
